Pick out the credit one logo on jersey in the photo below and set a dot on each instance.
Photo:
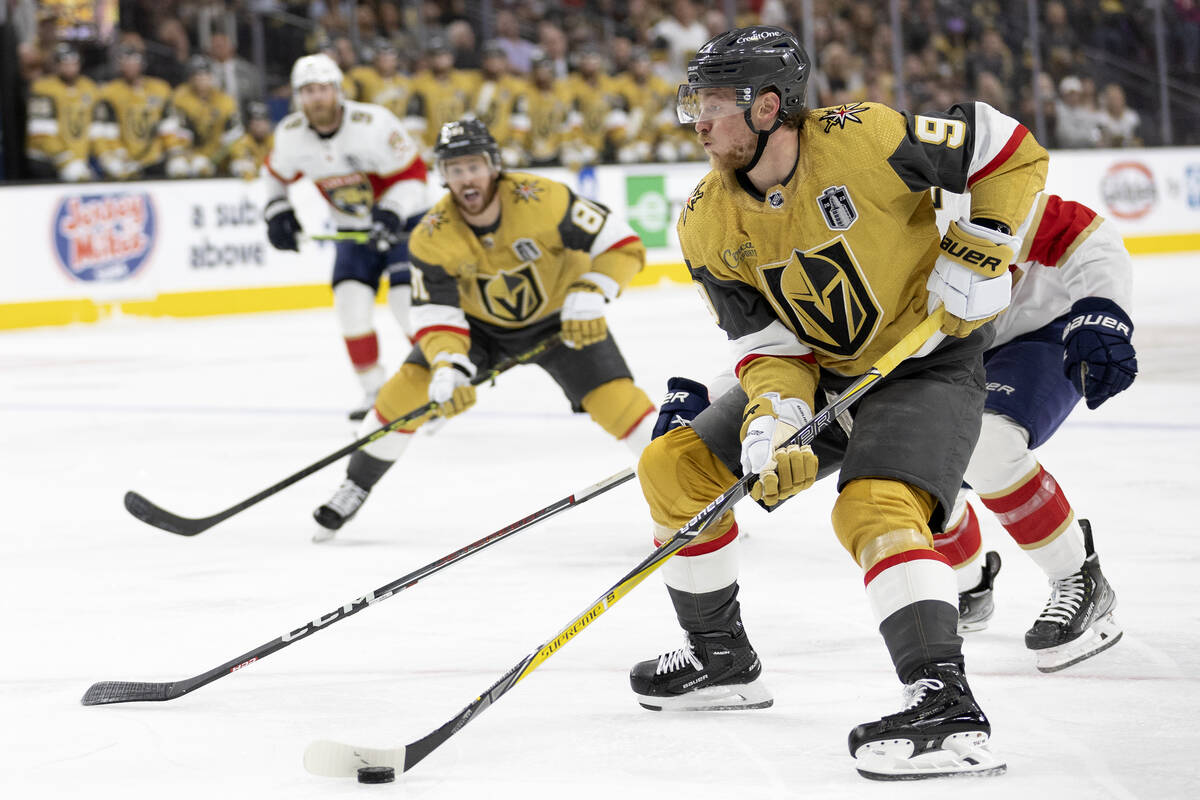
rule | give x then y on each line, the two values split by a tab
104	237
1128	190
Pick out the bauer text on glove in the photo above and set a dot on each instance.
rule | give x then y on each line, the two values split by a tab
971	276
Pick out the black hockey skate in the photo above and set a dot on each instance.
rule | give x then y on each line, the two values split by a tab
975	606
941	732
344	504
360	411
711	672
1077	622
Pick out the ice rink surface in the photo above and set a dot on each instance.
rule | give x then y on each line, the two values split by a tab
200	414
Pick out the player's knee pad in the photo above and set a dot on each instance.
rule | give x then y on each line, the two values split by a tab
617	406
1002	457
399	299
679	477
408	389
875	518
354	304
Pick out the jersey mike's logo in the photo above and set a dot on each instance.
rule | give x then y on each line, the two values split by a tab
823	297
104	237
513	296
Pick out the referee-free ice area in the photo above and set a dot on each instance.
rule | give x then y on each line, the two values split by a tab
200	414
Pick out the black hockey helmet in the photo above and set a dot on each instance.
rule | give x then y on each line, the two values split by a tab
748	60
465	137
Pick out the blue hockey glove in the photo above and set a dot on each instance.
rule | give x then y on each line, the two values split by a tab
685	399
282	226
387	229
1098	356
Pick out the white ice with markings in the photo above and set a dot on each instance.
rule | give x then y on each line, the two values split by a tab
200	414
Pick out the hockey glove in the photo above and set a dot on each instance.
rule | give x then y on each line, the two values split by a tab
1098	356
450	387
782	472
387	230
583	311
971	276
282	225
684	401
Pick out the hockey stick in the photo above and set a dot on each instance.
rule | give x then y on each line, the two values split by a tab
335	759
358	237
106	692
159	517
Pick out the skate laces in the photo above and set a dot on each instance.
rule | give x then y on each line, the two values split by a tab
674	660
348	497
1065	598
914	693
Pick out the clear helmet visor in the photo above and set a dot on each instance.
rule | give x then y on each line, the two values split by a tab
694	105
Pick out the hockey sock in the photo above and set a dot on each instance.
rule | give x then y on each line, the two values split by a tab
962	545
366	470
1037	515
702	582
914	597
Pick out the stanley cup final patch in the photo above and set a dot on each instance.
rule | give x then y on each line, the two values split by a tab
837	208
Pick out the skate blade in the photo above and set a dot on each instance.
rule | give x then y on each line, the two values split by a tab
1103	634
962	755
971	627
734	697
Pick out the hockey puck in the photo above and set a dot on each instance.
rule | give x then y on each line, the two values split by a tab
376	775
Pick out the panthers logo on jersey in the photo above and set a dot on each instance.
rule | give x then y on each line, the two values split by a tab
350	194
513	296
823	296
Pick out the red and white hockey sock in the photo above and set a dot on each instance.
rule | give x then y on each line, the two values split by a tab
1037	515
914	597
962	545
363	351
704	567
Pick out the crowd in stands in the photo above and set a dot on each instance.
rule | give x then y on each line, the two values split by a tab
172	91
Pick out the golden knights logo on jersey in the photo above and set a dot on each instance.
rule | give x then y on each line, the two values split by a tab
350	194
822	295
514	295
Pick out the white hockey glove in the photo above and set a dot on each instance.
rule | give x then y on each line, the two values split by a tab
583	309
769	421
971	276
450	387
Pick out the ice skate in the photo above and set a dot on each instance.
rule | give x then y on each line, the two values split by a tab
941	732
711	672
360	411
975	606
1077	622
344	504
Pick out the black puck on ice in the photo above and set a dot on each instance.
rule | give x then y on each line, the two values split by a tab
376	775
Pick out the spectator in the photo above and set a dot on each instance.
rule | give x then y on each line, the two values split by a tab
683	34
992	56
1118	122
249	152
235	76
992	91
508	36
838	80
461	36
1077	125
554	48
169	60
1059	41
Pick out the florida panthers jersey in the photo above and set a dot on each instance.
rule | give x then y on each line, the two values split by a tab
830	265
1068	252
370	160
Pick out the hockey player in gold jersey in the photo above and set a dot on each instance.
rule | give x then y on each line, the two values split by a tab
502	262
211	118
815	242
248	153
133	126
441	94
538	124
60	114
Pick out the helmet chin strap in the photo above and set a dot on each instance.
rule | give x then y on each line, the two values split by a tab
762	139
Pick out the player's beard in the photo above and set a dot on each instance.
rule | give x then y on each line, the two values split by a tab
736	156
488	194
322	117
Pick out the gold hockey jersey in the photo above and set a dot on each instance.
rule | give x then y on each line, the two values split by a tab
247	155
135	118
60	116
213	122
439	101
538	124
516	273
829	267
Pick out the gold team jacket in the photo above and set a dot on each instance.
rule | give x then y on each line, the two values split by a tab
829	268
516	273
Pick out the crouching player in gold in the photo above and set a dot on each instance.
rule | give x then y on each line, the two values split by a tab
502	262
815	241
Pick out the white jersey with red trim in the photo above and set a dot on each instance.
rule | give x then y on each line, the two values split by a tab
1068	252
370	160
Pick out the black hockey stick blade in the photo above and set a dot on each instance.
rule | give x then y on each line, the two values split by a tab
160	518
108	692
335	759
